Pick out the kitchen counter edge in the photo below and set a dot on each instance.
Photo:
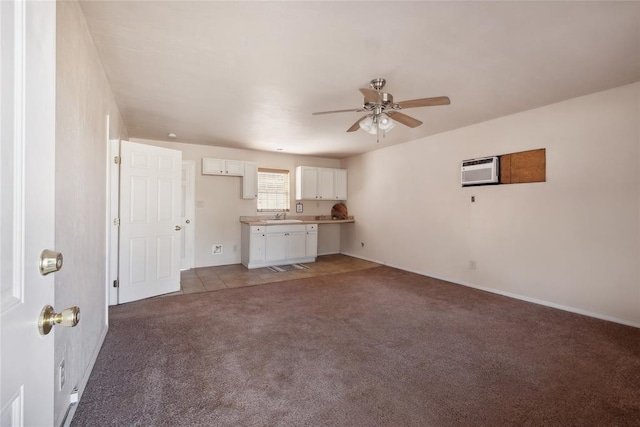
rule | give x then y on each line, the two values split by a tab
302	222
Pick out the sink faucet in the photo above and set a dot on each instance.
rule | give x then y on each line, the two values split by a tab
281	215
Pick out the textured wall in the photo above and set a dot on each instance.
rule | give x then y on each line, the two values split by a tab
572	241
219	205
83	101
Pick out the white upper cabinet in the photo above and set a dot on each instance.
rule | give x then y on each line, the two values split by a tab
321	183
250	181
340	179
326	184
306	183
222	167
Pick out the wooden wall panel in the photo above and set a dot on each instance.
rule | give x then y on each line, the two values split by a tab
525	166
505	169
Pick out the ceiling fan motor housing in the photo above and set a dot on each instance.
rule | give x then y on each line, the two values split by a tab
386	102
378	83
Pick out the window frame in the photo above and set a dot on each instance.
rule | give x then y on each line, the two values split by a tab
288	190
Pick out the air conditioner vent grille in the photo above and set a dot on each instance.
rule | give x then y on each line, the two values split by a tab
476	175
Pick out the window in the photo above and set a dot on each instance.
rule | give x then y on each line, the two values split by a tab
273	190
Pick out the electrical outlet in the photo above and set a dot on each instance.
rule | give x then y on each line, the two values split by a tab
216	249
235	248
472	265
473	199
61	374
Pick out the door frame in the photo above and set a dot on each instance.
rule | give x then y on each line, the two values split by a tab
189	209
113	213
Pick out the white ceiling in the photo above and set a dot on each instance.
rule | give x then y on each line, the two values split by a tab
249	74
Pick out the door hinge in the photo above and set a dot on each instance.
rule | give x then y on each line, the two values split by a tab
116	222
116	283
116	160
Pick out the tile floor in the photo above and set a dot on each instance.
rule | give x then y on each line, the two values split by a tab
207	279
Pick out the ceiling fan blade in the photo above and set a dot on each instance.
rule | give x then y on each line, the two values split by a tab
356	125
371	95
351	110
425	102
404	119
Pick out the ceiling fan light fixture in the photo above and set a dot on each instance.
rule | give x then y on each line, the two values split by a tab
368	125
385	122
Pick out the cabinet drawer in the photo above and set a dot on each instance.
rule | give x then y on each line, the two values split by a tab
257	229
285	228
312	227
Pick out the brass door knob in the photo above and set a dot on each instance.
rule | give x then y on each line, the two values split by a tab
49	318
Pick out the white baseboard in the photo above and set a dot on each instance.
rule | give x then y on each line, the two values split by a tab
328	253
85	378
511	295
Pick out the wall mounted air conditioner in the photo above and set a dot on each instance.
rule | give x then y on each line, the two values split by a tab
480	171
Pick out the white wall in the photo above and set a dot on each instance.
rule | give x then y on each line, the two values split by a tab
83	100
572	241
219	205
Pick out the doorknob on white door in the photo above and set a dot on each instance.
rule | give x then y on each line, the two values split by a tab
178	228
49	318
50	262
188	221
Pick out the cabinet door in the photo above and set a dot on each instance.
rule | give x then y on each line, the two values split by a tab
340	184
296	244
234	167
213	166
257	247
326	184
250	181
307	183
276	246
312	244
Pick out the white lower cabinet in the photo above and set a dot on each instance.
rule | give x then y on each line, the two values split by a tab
258	244
263	246
277	243
296	244
311	241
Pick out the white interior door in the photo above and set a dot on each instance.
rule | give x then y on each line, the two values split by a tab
187	219
27	197
150	187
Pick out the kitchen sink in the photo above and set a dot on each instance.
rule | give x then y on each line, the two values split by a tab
282	221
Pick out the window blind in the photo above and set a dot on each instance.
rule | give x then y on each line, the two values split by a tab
273	190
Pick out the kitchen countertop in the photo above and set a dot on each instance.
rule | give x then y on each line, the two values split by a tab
321	219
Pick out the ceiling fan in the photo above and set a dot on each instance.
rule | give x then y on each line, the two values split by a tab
382	112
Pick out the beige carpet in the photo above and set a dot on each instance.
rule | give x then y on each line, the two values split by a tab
377	347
